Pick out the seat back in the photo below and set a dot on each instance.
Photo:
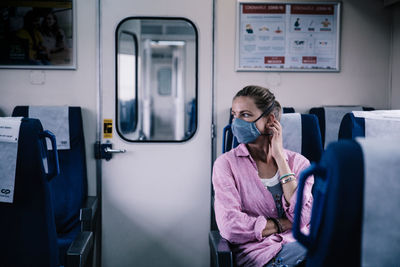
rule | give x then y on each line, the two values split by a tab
69	188
379	123
335	221
288	110
311	143
356	191
329	118
27	227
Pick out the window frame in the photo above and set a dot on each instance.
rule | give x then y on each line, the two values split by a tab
196	36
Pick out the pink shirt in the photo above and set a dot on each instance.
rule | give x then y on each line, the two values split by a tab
242	204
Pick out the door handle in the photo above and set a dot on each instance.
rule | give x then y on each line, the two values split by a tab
105	151
110	150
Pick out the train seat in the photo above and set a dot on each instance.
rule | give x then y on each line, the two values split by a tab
288	110
352	218
329	118
378	123
75	212
27	227
301	134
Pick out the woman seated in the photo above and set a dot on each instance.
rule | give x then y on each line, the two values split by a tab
255	185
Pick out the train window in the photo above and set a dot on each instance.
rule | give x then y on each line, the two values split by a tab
127	82
156	79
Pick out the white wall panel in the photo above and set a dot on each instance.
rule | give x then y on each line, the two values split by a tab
62	87
395	96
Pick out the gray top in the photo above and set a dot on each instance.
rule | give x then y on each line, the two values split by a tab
275	188
277	193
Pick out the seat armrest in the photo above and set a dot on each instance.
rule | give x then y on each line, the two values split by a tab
221	253
88	213
80	252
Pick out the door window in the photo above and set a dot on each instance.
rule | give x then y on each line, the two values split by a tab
156	79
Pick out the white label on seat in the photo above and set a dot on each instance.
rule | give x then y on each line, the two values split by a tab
9	133
9	129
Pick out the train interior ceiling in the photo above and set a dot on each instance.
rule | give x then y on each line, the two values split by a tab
136	96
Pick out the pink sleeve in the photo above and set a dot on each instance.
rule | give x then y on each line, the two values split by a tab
301	164
234	225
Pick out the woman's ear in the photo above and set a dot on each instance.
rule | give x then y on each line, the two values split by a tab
270	118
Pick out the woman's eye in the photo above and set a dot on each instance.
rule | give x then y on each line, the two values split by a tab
246	115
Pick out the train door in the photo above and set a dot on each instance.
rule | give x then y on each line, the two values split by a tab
156	99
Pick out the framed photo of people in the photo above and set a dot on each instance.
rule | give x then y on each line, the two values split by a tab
282	36
37	34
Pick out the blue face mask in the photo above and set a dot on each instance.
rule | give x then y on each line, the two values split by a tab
247	132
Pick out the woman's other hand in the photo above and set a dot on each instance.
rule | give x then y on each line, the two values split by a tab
286	224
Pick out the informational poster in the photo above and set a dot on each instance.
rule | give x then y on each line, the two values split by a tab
287	36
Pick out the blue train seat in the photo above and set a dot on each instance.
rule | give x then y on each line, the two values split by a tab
329	118
27	227
379	123
288	110
352	216
75	212
303	130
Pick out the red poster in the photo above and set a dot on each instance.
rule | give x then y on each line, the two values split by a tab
274	60
263	9
309	60
312	9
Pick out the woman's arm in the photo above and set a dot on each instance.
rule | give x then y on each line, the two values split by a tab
272	227
278	154
299	164
290	187
234	224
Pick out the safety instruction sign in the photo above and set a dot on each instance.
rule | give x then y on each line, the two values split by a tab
291	37
107	128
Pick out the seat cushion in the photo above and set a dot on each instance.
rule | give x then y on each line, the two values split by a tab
64	240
